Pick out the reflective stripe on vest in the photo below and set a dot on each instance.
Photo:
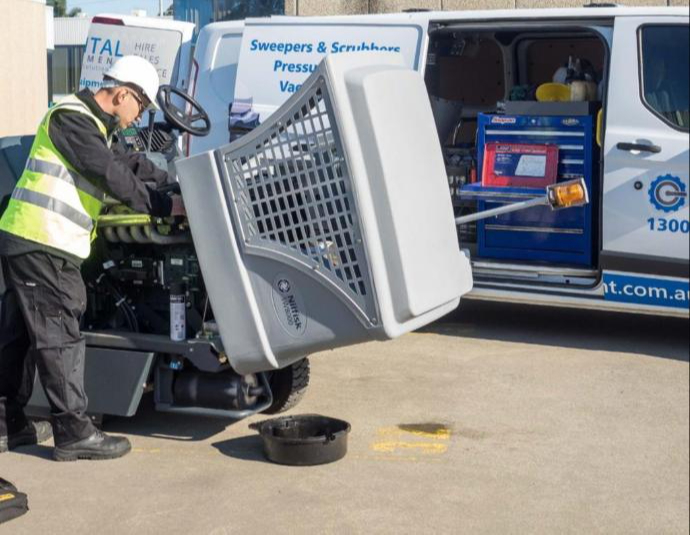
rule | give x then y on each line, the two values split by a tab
52	203
61	172
59	207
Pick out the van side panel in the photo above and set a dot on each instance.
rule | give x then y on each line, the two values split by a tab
214	75
278	56
120	36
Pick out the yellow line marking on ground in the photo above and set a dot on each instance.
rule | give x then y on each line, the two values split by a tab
438	434
427	439
427	448
395	458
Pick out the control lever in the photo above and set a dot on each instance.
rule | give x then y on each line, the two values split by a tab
152	127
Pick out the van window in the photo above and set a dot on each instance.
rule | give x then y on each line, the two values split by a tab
664	65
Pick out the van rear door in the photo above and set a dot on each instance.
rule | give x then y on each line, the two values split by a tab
165	43
645	194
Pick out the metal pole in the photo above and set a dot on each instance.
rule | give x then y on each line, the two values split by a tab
539	201
160	8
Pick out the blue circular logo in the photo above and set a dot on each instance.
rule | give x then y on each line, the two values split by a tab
668	193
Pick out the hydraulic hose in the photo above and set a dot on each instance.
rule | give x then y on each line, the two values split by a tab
123	220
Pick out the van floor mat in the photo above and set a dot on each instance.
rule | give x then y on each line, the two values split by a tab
13	503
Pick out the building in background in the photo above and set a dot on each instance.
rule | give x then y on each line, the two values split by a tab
64	61
203	12
307	8
24	39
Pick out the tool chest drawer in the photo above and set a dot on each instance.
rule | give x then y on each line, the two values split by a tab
539	234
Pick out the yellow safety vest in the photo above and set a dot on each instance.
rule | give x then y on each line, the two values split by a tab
52	203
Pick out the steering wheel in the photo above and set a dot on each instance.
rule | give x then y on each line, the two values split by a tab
183	120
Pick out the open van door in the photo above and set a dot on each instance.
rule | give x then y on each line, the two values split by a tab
645	193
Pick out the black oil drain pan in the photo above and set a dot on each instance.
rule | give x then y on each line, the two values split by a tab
303	440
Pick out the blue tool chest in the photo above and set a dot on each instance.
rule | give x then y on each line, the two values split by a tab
539	234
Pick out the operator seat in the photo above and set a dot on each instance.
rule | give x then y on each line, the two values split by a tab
14	151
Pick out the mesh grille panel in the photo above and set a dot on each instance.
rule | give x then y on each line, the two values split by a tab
293	194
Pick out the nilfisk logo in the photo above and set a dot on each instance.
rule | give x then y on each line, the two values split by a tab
284	286
289	306
668	193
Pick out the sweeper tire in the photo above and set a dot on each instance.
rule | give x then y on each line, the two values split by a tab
288	386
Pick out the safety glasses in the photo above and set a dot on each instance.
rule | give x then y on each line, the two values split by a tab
140	102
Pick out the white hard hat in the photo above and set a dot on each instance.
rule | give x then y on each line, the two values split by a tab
137	71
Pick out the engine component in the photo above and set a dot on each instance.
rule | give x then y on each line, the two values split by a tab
138	235
129	279
143	234
227	391
136	270
178	317
124	235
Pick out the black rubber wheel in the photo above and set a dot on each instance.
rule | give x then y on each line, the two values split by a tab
288	386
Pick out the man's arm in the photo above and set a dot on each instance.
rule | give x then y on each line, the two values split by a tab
140	165
78	139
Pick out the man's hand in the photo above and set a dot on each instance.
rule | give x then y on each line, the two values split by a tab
177	206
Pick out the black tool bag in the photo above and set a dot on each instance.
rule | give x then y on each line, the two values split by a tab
12	502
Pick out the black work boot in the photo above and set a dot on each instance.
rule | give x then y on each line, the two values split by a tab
33	433
98	446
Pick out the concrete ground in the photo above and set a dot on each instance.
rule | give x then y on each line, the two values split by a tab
499	419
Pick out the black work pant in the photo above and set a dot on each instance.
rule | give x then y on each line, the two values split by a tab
40	311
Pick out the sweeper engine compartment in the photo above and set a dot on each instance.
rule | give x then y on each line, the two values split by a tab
326	226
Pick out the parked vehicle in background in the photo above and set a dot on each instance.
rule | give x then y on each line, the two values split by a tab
626	251
167	44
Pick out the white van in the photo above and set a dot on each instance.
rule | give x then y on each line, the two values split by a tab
167	44
627	135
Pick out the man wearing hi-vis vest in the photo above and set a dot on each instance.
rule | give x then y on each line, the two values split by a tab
45	233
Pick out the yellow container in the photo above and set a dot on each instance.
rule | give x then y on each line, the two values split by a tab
553	93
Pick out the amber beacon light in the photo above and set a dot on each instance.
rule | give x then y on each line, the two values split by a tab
567	194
